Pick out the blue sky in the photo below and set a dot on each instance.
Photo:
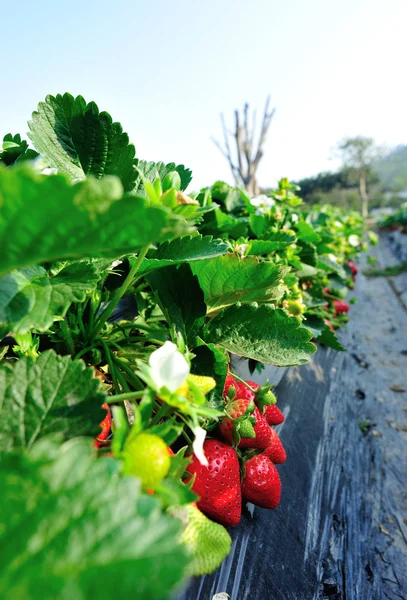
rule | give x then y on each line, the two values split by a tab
166	70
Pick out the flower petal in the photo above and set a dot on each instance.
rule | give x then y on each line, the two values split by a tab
197	445
168	367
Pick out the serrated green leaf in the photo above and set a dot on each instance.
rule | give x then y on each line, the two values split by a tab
213	361
46	218
326	264
183	249
275	241
32	299
322	333
153	170
70	527
14	149
307	253
314	324
77	139
218	223
305	271
307	233
51	394
180	298
174	493
262	333
228	279
328	338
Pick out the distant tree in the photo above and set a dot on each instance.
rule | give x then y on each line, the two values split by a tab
358	155
313	187
248	147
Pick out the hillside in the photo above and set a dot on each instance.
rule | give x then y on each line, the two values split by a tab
392	169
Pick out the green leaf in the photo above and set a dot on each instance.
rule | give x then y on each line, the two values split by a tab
322	333
32	299
314	324
14	149
180	298
307	233
152	170
228	279
328	338
174	493
210	360
75	138
262	333
183	249
45	218
70	527
275	241
51	394
307	253
218	223
305	271
326	264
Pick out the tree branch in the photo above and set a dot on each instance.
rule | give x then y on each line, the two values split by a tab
263	132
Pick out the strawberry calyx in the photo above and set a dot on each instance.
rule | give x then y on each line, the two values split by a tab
265	397
243	425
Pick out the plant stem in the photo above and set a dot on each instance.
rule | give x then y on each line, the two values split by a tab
67	337
111	366
126	396
83	351
127	370
243	381
120	292
163	412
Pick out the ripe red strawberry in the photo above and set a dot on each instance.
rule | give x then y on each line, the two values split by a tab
275	450
273	415
261	484
326	291
352	267
262	434
340	307
105	425
218	484
242	391
230	382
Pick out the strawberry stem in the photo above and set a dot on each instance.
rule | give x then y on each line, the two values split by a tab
243	381
120	292
125	396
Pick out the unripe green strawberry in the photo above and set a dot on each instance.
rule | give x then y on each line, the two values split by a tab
205	384
246	429
146	456
295	308
241	411
208	543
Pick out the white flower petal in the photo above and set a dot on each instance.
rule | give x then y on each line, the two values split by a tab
168	367
197	445
263	203
354	240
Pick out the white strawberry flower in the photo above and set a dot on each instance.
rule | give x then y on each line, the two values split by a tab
168	367
262	203
197	445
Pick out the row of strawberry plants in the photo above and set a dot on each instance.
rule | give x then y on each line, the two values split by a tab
126	442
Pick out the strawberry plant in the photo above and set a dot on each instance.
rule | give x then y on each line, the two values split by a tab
123	433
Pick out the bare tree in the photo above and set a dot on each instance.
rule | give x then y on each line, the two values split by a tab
245	160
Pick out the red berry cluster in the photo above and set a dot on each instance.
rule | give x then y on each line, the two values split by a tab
240	467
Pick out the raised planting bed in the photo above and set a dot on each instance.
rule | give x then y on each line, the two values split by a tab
340	530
